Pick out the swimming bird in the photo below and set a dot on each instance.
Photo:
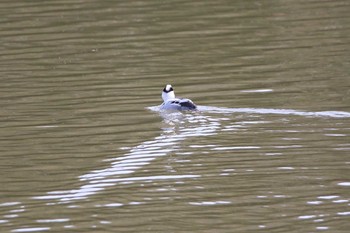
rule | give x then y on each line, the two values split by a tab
173	103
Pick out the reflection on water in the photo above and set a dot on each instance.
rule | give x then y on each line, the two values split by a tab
178	127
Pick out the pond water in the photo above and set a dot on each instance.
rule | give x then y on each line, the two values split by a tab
84	147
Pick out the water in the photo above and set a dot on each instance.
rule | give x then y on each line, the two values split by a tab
84	147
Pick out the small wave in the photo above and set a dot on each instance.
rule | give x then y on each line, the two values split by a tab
330	114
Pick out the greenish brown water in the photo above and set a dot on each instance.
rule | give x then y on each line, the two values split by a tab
84	149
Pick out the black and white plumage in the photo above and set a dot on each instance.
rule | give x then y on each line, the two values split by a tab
173	103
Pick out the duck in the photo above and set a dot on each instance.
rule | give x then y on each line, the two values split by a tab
170	102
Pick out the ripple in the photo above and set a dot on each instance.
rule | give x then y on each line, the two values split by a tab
328	197
210	203
307	216
53	220
121	168
236	148
9	203
178	127
344	184
257	91
31	229
344	213
331	114
150	178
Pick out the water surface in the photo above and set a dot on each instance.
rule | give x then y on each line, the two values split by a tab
83	147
